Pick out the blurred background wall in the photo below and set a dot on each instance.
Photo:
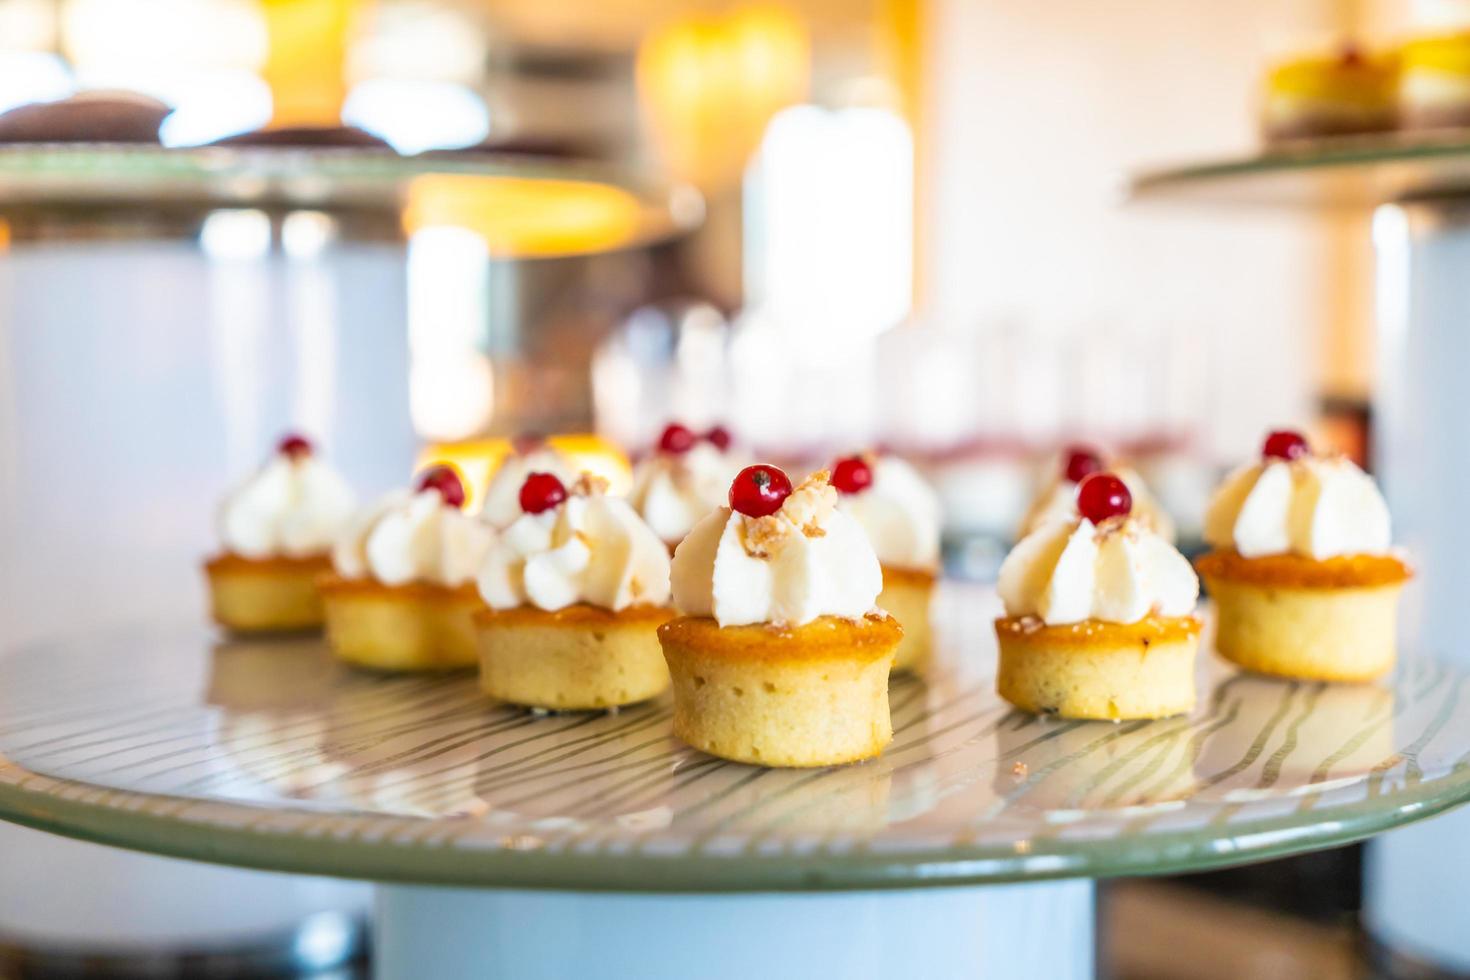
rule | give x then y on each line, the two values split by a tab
913	228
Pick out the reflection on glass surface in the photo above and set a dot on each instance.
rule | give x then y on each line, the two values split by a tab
390	762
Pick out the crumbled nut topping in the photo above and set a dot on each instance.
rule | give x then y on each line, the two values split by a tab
589	485
1124	524
811	503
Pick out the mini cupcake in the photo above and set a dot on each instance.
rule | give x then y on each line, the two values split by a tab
528	454
1343	93
403	595
1058	502
684	479
1304	581
900	514
576	588
1098	617
780	657
277	529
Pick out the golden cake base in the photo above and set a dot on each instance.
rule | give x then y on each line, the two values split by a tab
811	695
574	659
907	595
1097	670
1289	616
266	595
415	627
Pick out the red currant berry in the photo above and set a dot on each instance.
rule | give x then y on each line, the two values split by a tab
1285	444
294	446
444	480
1082	462
541	492
676	439
852	474
719	437
527	443
759	490
1103	495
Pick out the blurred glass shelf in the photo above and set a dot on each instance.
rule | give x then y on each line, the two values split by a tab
274	755
1355	172
559	206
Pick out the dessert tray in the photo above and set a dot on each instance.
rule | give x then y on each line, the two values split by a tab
273	755
1344	171
101	178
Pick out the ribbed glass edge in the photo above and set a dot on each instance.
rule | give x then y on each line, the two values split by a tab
1317	156
119	824
43	175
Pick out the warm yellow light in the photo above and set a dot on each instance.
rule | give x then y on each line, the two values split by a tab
477	460
519	216
711	82
305	67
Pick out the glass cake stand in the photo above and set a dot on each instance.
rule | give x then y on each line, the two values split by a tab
1338	172
564	838
520	204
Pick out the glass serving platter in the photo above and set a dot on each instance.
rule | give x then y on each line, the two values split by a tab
1361	171
622	208
273	755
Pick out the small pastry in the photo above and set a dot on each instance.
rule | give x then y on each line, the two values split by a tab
1342	94
686	477
403	594
1303	577
1098	617
277	529
900	514
779	656
1434	84
576	588
528	454
1058	502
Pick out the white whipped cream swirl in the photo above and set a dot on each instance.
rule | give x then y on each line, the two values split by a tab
805	561
900	513
1058	502
413	537
590	548
1119	572
1317	507
292	507
674	490
503	494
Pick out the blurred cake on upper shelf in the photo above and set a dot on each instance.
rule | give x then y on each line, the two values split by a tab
88	117
1349	92
314	137
1434	91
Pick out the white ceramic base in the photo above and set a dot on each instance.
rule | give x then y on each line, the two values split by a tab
1037	930
1417	880
60	894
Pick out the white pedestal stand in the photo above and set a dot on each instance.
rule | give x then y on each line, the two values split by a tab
992	931
1417	880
